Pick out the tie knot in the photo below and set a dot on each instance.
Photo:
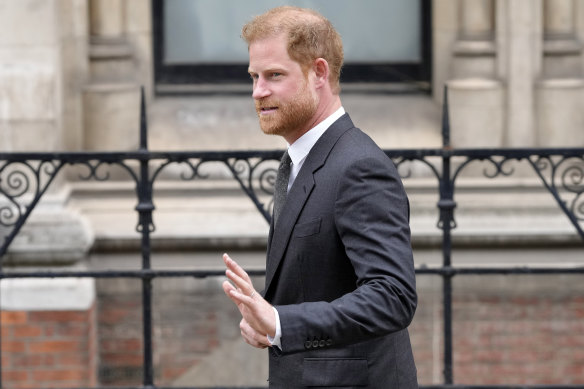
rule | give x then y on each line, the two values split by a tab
286	160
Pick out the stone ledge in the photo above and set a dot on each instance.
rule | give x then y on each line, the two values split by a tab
213	214
50	237
46	294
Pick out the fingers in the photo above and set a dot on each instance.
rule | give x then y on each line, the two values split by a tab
239	277
235	268
239	295
258	315
228	288
253	337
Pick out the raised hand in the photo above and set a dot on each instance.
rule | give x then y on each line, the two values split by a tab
258	317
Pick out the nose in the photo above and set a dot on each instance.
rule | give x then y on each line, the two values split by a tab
260	89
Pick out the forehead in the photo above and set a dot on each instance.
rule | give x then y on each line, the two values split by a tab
270	53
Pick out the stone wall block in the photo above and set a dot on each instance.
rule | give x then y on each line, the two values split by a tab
560	113
51	237
476	19
476	113
23	135
27	91
27	22
465	66
558	17
45	294
112	63
106	18
562	59
75	70
142	71
138	17
445	26
73	17
112	117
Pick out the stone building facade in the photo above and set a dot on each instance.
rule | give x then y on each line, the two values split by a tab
70	79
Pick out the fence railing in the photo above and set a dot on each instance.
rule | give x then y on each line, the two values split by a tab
25	178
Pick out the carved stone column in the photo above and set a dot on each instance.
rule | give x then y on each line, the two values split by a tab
477	115
43	65
111	99
474	52
106	18
519	65
560	92
562	50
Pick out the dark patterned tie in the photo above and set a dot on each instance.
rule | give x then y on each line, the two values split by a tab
281	188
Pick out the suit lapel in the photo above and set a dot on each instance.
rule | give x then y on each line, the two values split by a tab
299	194
295	201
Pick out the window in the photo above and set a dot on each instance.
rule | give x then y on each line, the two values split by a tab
198	41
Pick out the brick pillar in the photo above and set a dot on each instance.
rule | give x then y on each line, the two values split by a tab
48	333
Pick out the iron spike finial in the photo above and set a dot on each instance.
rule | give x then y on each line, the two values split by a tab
445	120
143	121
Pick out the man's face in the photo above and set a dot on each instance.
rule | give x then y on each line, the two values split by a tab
284	96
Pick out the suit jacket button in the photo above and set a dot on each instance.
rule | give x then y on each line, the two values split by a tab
329	342
315	343
321	343
308	344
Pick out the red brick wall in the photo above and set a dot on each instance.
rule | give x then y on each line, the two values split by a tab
538	340
186	329
48	349
120	338
507	330
178	346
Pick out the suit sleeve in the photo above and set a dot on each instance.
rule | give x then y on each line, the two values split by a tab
372	219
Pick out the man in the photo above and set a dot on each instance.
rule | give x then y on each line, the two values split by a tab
340	285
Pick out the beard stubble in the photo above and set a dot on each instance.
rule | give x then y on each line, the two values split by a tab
289	117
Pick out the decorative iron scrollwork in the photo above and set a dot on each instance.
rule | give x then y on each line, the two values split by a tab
564	177
247	170
256	175
405	171
573	181
97	170
21	185
495	163
193	168
561	172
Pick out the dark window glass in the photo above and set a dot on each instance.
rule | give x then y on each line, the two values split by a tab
198	41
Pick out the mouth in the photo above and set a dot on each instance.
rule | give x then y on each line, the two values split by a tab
267	110
266	107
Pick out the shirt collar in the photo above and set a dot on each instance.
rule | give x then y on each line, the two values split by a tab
300	149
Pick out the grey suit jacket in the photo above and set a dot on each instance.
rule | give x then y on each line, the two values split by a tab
340	270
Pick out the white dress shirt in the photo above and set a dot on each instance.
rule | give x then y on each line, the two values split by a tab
298	151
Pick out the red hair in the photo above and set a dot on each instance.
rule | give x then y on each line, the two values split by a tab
310	36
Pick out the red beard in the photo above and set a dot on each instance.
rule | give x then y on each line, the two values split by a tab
288	117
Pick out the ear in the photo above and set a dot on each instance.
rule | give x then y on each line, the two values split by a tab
321	72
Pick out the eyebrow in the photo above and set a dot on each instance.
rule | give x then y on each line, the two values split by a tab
275	69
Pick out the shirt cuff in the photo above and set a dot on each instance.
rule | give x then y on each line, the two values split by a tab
276	340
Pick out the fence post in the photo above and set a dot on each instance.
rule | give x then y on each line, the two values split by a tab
446	205
145	227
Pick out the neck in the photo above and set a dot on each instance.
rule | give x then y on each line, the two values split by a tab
324	110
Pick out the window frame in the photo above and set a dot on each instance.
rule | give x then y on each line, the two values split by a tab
186	77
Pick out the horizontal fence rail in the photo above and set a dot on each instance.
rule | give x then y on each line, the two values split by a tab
26	177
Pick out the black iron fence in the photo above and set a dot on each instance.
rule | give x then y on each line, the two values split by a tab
25	178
